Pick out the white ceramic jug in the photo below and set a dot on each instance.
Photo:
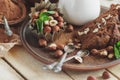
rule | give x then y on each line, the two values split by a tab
79	12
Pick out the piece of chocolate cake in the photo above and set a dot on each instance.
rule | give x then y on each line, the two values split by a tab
102	32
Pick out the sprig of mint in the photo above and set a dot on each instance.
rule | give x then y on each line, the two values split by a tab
117	50
44	16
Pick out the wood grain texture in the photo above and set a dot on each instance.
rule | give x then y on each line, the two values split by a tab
7	73
30	67
115	71
83	75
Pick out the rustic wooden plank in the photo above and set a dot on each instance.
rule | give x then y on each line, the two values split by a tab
30	67
82	75
7	73
115	71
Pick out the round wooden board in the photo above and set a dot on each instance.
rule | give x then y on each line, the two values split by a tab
30	42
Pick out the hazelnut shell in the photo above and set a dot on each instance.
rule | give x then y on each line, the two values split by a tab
47	29
70	28
42	42
60	46
105	75
58	53
60	19
56	28
60	24
52	47
91	78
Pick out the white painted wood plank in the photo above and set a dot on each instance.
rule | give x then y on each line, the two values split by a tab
30	67
83	75
7	73
115	70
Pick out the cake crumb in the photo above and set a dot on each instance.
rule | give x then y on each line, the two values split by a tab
86	30
104	21
108	17
117	7
80	33
95	30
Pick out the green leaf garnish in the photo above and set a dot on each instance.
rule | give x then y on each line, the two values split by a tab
117	50
39	25
118	44
44	16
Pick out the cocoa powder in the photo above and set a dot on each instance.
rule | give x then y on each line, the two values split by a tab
4	38
10	9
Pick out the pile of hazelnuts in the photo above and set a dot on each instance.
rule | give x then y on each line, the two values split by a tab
58	49
55	24
106	52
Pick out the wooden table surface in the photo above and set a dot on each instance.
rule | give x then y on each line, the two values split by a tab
18	64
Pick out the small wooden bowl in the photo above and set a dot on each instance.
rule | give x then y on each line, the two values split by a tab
23	10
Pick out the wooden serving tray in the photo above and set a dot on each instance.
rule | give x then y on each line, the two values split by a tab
30	42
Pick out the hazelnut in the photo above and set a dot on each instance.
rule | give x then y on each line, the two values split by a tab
42	42
58	53
94	51
60	19
60	46
111	56
35	15
51	18
44	10
70	28
105	75
109	48
91	78
56	28
53	22
46	23
56	14
70	41
47	29
103	52
60	24
52	47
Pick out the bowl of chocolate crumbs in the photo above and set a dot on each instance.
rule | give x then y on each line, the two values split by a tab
13	10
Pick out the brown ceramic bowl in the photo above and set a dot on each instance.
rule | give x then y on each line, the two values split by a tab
30	42
23	10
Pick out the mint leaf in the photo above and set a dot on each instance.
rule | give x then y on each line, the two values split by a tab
117	50
44	16
50	12
39	25
118	44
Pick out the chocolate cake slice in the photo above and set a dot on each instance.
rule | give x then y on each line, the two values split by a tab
102	32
